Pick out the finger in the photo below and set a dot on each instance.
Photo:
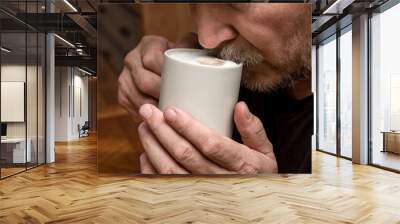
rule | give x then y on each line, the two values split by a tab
179	148
222	150
153	59
128	89
146	81
251	129
123	100
160	159
152	53
124	85
145	165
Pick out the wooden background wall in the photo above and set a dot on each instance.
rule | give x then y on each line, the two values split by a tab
120	28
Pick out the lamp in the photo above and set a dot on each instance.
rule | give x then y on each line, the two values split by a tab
70	5
5	50
65	41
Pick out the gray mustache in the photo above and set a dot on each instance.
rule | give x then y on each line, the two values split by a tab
247	56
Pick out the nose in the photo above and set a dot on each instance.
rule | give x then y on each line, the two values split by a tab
212	30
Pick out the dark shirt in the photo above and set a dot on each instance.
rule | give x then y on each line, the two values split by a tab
289	126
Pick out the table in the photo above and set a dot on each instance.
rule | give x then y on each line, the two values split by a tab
15	148
391	141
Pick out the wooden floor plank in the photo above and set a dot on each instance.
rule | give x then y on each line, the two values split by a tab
71	191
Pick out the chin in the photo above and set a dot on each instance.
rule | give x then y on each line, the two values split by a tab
265	79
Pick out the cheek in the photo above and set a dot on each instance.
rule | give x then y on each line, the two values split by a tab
263	34
270	44
270	27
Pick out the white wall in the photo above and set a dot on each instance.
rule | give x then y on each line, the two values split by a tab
62	80
13	73
13	101
33	126
314	90
71	94
80	110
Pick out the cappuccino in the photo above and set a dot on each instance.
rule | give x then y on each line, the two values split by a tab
199	57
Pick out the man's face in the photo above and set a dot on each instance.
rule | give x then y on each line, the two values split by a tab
271	40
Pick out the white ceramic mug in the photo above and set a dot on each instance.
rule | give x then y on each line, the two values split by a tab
206	87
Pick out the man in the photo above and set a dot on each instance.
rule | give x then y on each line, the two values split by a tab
273	43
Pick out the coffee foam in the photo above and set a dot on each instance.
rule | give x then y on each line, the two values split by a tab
199	57
210	61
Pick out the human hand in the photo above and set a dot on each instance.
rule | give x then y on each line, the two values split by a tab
139	81
176	143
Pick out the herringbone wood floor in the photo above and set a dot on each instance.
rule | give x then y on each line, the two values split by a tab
71	191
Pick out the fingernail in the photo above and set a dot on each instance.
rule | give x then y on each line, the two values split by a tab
247	112
170	115
146	111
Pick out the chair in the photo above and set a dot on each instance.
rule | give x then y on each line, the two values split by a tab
84	130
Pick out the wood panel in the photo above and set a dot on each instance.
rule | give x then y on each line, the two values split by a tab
71	191
171	21
92	86
120	28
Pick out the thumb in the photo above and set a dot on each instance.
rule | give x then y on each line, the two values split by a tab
188	41
251	129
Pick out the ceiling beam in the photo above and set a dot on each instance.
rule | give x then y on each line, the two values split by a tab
84	24
337	7
78	61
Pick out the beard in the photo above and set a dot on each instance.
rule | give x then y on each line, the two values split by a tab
263	75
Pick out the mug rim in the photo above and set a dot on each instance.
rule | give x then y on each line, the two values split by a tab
201	52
